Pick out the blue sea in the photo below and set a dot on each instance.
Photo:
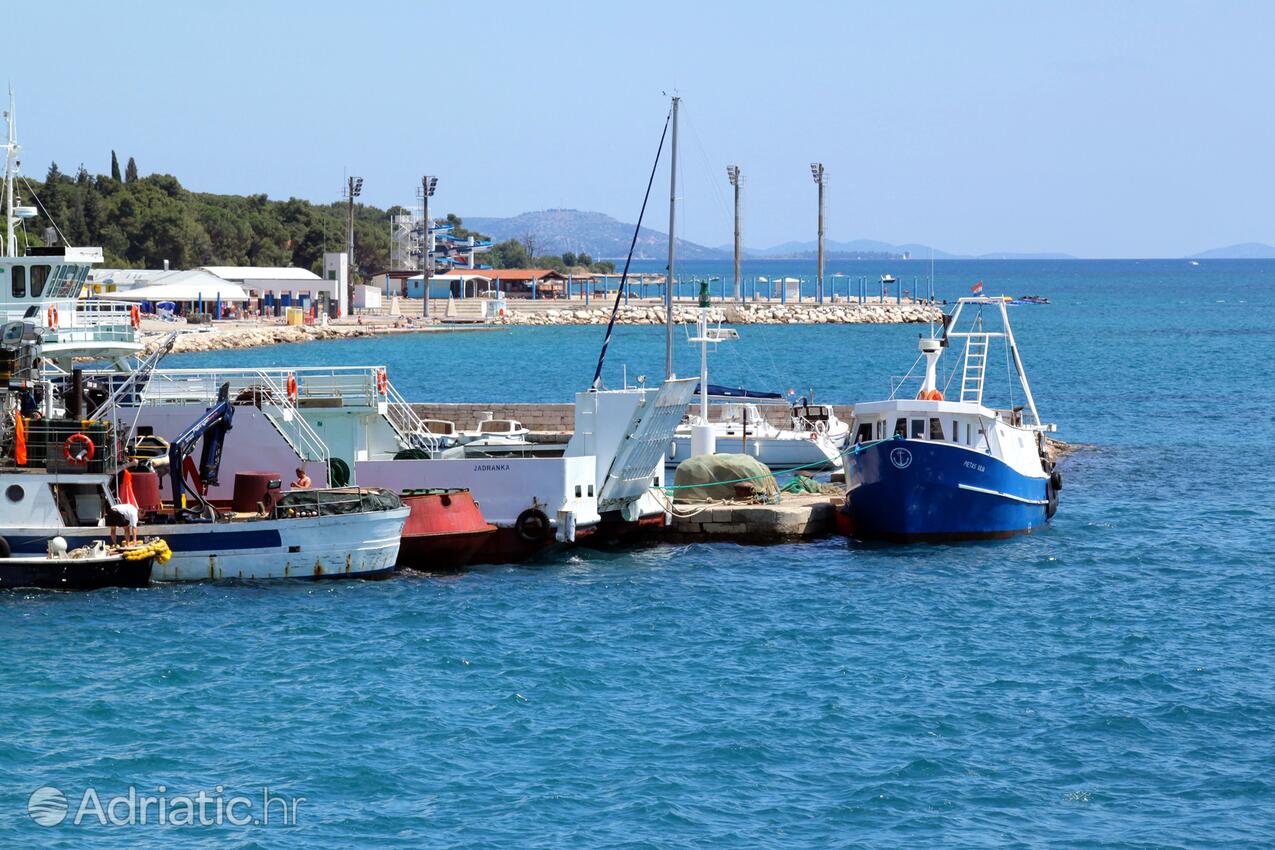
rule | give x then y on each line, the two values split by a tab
1109	682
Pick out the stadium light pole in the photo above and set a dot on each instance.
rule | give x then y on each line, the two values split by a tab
816	171
732	173
425	192
354	188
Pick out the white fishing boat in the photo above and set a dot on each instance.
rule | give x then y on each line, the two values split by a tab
741	428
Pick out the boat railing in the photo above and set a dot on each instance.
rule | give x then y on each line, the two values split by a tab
268	389
411	429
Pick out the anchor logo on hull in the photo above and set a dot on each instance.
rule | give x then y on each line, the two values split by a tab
901	458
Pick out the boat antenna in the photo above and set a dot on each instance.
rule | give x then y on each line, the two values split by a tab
10	170
672	242
637	228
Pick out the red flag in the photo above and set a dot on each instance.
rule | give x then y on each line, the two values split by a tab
977	288
127	496
19	441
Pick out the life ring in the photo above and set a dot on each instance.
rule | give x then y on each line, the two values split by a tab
292	388
532	526
814	436
135	314
78	455
52	317
382	382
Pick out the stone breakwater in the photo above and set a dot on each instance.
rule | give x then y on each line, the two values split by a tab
735	314
253	336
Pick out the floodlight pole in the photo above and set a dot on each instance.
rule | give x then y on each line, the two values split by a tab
427	260
351	190
816	171
732	171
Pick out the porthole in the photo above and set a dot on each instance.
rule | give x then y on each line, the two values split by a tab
14	492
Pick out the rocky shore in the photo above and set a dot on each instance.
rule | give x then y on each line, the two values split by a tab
736	314
251	334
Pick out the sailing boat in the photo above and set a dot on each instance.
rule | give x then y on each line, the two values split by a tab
929	469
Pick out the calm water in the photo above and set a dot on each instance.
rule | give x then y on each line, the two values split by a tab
1110	682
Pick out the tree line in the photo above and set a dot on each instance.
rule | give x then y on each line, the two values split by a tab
140	222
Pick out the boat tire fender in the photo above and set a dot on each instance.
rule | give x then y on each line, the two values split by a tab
1055	478
5	551
532	526
1051	498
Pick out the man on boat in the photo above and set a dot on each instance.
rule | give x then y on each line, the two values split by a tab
303	481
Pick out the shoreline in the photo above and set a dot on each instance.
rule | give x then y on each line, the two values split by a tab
248	333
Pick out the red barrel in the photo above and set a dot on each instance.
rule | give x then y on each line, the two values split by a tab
146	489
251	488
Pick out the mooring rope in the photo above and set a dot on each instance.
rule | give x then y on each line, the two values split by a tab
624	278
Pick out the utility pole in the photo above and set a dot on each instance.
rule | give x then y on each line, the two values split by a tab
732	171
427	237
353	189
816	171
672	240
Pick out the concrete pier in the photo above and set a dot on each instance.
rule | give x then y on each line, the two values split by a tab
798	516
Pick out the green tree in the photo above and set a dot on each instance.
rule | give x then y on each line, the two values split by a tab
130	171
584	259
569	259
115	167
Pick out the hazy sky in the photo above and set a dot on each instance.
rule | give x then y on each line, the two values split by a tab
1108	129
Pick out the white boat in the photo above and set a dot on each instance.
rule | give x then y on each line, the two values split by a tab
741	428
349	425
496	434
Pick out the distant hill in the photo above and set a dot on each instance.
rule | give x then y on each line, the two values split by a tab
603	237
1240	251
593	233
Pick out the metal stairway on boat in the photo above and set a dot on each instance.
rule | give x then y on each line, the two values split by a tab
975	368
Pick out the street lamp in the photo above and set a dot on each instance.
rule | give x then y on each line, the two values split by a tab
732	173
816	171
425	192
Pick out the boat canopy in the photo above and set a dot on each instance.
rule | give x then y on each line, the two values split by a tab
736	392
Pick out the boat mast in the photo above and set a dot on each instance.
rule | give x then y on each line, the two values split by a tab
672	220
10	169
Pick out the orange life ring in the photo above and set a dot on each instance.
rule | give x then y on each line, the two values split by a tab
78	456
292	388
382	382
814	436
135	313
53	317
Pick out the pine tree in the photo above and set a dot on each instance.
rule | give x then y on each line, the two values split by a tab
115	167
130	171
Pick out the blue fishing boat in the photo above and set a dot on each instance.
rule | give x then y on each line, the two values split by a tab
925	468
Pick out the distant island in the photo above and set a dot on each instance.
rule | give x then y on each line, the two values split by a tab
1240	251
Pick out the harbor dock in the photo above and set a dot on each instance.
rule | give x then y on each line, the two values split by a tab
798	516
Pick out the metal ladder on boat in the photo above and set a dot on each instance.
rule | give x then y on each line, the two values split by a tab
975	368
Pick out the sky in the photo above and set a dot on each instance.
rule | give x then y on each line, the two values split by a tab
1099	129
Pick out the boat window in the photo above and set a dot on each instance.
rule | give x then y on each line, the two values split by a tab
865	433
936	429
880	429
956	431
918	429
19	281
79	504
39	274
969	435
900	427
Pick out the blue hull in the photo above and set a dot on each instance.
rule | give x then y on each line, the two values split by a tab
915	490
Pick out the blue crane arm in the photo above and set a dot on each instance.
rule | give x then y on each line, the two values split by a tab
212	428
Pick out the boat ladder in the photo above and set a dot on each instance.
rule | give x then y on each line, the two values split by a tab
975	368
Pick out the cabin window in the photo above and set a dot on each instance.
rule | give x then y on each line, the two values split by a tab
19	281
918	429
969	435
865	433
936	429
880	429
956	431
900	427
39	275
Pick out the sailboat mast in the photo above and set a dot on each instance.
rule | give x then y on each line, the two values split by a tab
672	221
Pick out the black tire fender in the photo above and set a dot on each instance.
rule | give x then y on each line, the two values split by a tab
532	526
